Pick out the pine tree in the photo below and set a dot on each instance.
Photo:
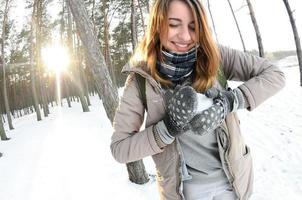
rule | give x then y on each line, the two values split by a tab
5	95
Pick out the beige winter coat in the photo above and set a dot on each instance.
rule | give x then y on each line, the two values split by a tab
261	81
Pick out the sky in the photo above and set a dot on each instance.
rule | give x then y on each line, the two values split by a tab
66	156
272	18
273	22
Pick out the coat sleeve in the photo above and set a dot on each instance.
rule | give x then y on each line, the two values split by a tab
261	78
128	143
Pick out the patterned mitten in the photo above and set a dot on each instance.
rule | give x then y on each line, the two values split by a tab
181	107
225	101
231	100
208	119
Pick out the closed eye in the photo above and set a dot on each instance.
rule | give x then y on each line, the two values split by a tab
173	25
192	26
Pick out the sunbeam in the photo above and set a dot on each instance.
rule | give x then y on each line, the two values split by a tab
56	59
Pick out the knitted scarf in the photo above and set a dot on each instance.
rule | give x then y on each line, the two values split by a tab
177	66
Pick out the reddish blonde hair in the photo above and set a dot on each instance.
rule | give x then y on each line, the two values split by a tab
207	54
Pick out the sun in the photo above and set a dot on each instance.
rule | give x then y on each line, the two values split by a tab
55	58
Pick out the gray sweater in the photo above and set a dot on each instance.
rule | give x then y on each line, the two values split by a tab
202	158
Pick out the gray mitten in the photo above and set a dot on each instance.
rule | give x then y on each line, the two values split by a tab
225	101
181	107
208	119
231	100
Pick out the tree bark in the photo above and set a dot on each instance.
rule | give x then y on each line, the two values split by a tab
84	98
100	72
63	77
2	130
136	169
257	31
92	15
106	49
6	102
141	14
133	26
76	65
148	6
85	84
83	78
137	173
296	36
237	25
32	67
41	84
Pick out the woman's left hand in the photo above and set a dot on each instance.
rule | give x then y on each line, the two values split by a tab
225	101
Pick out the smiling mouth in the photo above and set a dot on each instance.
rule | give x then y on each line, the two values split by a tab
181	45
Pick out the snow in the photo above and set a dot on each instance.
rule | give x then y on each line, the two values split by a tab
289	61
66	156
203	102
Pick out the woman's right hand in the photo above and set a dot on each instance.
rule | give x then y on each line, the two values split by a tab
181	106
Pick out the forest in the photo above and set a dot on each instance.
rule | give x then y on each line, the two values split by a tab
81	51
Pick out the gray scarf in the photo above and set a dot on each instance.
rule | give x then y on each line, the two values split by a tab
177	66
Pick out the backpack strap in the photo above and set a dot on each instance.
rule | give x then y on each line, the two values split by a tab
221	77
141	82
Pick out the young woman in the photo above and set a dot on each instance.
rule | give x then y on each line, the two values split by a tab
198	153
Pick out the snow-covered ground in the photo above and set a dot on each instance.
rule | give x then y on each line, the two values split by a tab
289	61
67	156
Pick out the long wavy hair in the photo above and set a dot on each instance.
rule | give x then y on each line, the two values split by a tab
147	52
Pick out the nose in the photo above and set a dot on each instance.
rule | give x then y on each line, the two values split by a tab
185	35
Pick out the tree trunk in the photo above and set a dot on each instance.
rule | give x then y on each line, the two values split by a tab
92	15
85	84
133	26
99	70
257	31
237	25
137	172
84	81
296	36
76	64
65	81
141	14
106	43
32	67
2	130
80	88
212	19
92	82
63	77
148	6
41	84
78	74
6	102
136	169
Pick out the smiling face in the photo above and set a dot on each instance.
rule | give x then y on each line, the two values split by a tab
180	35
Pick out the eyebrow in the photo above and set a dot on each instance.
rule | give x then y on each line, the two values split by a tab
176	19
179	20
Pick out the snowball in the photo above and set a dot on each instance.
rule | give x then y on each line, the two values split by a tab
203	102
